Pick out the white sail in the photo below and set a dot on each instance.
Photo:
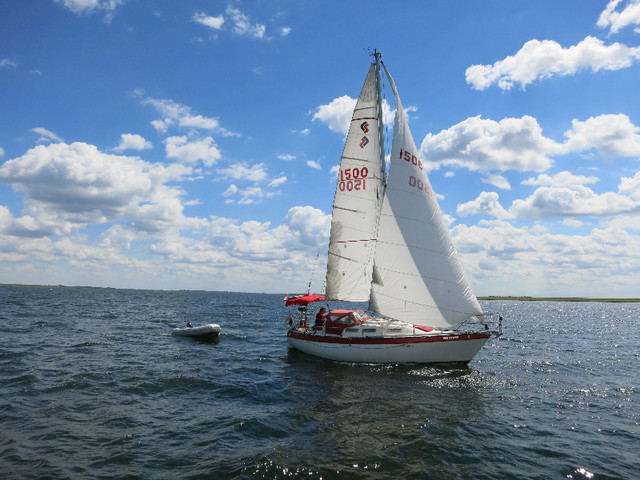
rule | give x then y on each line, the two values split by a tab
417	276
357	201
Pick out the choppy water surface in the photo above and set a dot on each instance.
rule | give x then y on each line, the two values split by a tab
92	386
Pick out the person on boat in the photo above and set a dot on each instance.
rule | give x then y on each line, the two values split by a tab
189	325
320	319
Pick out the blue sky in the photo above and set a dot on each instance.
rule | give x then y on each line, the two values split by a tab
193	145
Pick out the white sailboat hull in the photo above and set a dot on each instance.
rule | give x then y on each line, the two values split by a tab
457	348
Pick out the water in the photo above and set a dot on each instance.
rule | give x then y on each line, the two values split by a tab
92	386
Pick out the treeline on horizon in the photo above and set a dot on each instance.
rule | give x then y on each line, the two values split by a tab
561	299
491	297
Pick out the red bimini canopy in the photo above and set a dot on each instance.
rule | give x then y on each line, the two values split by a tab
303	299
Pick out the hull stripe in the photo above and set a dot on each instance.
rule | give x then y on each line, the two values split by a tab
387	341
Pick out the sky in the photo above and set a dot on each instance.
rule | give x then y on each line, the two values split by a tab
194	144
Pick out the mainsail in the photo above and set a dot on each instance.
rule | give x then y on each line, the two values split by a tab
357	201
418	276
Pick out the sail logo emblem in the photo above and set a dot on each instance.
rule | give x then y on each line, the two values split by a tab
363	142
364	126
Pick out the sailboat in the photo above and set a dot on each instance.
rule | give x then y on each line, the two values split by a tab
389	246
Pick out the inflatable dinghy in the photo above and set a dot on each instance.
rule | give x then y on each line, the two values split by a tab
199	331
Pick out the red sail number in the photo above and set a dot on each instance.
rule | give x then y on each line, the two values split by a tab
411	158
353	179
419	184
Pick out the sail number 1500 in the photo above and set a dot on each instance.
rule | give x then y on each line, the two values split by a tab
353	179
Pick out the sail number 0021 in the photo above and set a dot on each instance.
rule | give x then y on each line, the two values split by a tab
353	179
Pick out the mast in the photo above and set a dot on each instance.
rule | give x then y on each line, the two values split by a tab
383	167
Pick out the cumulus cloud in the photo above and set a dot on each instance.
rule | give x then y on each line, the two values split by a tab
242	171
132	141
337	114
497	181
208	21
256	174
67	187
192	151
483	144
544	59
572	201
548	263
81	7
611	135
242	25
560	179
631	186
246	196
313	164
617	20
174	114
487	204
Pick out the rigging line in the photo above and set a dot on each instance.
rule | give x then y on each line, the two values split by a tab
313	272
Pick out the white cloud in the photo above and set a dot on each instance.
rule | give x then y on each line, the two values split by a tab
487	204
560	179
46	136
284	31
336	114
5	62
132	141
483	144
310	225
242	171
572	201
543	59
497	181
630	186
617	20
246	196
313	164
69	186
1	152
208	21
286	157
546	263
278	181
242	26
611	135
176	114
80	7
192	151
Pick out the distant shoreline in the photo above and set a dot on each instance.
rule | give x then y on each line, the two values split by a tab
563	299
492	297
